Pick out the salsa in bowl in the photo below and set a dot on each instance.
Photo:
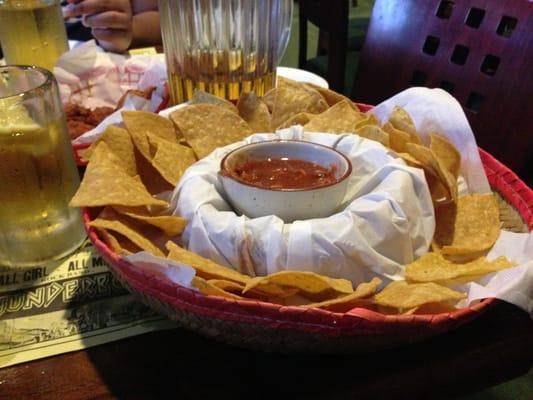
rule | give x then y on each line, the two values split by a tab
292	179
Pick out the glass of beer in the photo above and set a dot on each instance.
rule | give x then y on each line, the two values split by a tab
38	175
32	32
224	47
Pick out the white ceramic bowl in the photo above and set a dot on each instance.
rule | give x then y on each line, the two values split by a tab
288	204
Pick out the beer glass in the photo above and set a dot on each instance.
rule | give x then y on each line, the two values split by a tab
38	175
224	47
32	32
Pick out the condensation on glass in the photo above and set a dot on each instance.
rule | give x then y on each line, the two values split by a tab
32	32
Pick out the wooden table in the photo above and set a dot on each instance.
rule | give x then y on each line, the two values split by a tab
179	364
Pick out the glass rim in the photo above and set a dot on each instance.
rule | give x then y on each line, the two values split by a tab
48	78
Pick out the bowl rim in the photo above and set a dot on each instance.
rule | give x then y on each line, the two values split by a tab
345	175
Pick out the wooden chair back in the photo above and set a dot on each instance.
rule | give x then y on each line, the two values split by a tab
480	51
331	17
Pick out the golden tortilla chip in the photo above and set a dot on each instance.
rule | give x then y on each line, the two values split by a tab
349	301
294	98
410	160
201	97
308	282
151	177
141	235
397	139
435	173
433	267
207	288
118	243
207	127
105	183
400	119
254	112
330	96
171	225
204	267
403	296
140	123
340	118
472	226
373	132
297	119
272	295
446	153
171	159
367	120
120	143
227	286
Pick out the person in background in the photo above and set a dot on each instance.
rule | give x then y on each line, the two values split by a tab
118	25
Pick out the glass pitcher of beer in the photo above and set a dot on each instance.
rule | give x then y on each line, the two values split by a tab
32	32
224	47
38	175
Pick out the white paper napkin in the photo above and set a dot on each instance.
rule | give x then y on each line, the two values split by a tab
435	110
386	219
91	77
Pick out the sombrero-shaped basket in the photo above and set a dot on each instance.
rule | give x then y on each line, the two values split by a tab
272	327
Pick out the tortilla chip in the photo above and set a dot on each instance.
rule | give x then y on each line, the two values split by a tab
349	301
308	282
373	132
141	123
227	286
397	139
447	154
204	267
441	183
171	225
410	160
207	288
400	119
367	120
294	98
471	226
433	267
141	235
330	96
171	159
207	127
254	112
340	118
118	243
106	183
151	177
403	296
297	119
119	142
201	97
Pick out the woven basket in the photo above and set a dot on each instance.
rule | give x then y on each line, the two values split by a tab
271	327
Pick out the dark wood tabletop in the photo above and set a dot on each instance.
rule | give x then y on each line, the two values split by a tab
178	364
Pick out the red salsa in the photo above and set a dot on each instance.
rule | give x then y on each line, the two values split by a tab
283	173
